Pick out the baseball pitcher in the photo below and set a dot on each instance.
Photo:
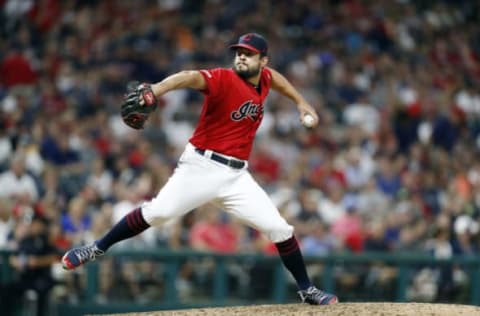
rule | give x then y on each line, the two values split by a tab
214	162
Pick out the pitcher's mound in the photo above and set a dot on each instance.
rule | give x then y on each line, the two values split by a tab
342	309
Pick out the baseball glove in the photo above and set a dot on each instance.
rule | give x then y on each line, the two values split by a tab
133	113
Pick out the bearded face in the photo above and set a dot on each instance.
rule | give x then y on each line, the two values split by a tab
247	63
246	71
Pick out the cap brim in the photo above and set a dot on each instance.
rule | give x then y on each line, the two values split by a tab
249	47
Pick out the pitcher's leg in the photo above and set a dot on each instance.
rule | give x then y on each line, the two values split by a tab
184	191
248	201
191	185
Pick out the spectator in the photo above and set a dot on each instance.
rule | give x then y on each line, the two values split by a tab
331	205
359	168
320	242
32	261
17	69
465	229
308	214
375	237
348	228
76	222
388	178
215	233
100	179
6	223
362	114
16	183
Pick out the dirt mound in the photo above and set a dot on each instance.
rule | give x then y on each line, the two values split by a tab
343	309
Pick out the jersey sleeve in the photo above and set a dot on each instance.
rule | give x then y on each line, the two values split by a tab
268	75
213	77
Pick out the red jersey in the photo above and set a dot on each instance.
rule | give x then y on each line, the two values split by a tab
231	113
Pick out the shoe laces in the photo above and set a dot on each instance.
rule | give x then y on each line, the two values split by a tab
88	253
313	293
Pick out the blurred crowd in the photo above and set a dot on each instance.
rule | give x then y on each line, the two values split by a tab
394	165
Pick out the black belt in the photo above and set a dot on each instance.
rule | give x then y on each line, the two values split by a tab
233	163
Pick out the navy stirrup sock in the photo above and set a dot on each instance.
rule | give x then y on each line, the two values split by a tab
130	225
292	258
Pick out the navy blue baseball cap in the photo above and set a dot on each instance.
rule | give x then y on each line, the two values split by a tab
252	41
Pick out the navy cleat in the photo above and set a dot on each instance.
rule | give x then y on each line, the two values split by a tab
75	257
314	296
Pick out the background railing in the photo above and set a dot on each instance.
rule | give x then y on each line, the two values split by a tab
280	288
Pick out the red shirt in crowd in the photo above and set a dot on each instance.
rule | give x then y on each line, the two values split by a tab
16	70
217	237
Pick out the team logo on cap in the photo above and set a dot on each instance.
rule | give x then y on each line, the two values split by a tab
247	38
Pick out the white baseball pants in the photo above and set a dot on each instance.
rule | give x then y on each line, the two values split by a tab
197	180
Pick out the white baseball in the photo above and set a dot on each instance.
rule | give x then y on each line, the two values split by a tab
308	120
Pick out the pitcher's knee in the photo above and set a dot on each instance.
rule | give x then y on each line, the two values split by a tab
156	217
280	233
157	220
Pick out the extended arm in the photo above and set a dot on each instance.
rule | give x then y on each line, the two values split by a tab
283	86
141	99
184	79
